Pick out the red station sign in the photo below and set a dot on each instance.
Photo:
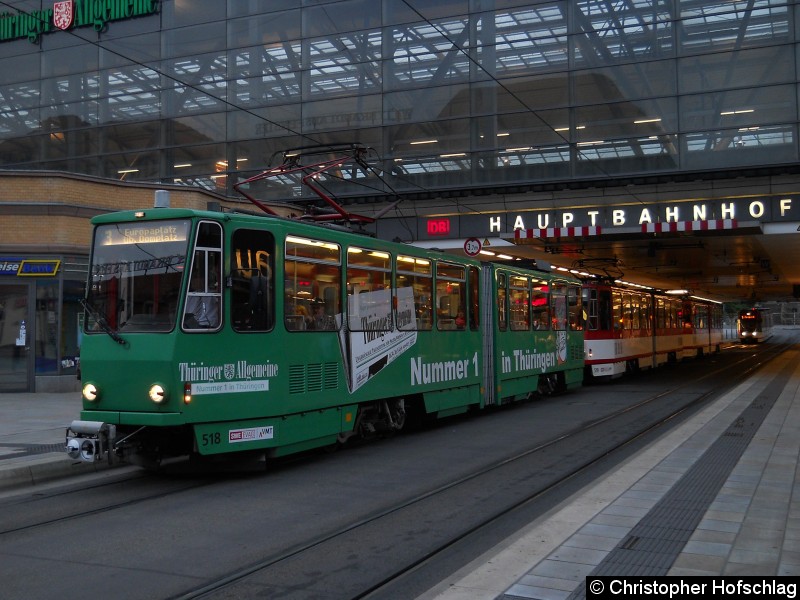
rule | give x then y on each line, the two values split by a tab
438	226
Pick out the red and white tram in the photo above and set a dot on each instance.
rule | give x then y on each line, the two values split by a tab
629	329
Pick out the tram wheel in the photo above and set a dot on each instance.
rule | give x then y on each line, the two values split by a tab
399	414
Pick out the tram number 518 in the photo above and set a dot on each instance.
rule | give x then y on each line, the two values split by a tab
211	439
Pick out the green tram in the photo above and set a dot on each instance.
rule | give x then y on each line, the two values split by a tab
216	332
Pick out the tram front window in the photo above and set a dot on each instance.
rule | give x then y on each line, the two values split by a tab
136	274
749	325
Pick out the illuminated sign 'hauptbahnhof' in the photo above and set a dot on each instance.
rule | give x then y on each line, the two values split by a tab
610	217
624	217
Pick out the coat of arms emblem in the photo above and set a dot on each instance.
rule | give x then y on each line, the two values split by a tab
63	14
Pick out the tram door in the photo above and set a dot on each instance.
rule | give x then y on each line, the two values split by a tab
16	338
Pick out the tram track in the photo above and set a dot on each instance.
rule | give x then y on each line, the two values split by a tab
389	583
392	545
77	499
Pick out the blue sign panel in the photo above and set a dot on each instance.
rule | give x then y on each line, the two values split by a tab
29	267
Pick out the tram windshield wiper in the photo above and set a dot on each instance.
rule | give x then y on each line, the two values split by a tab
101	321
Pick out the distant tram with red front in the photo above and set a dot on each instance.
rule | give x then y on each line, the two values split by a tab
754	325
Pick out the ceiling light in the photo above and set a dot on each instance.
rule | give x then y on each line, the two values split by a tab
737	112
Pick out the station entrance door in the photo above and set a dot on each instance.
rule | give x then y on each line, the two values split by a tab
16	338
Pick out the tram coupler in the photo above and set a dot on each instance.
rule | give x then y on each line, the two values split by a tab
91	441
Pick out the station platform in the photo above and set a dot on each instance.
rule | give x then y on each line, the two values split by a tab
717	496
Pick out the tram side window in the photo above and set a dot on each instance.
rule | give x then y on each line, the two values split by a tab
636	322
540	305
369	290
252	280
575	307
519	301
687	315
558	301
661	319
414	293
647	312
627	312
451	296
590	304
312	285
203	306
617	308
502	314
675	311
700	317
605	310
667	314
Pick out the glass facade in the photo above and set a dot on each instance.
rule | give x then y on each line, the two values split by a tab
451	94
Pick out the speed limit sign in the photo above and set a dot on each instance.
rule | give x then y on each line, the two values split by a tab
472	246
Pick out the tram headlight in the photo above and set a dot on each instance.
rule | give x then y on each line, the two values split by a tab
84	448
90	392
74	447
157	393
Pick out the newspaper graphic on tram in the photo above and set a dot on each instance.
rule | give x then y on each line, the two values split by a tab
372	339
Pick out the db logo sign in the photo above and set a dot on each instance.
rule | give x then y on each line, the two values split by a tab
438	226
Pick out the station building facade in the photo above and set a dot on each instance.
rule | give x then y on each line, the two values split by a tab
469	105
44	254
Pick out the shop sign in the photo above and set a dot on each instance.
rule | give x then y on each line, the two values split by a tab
29	267
68	14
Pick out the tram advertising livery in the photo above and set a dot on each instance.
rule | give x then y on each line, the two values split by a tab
211	333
